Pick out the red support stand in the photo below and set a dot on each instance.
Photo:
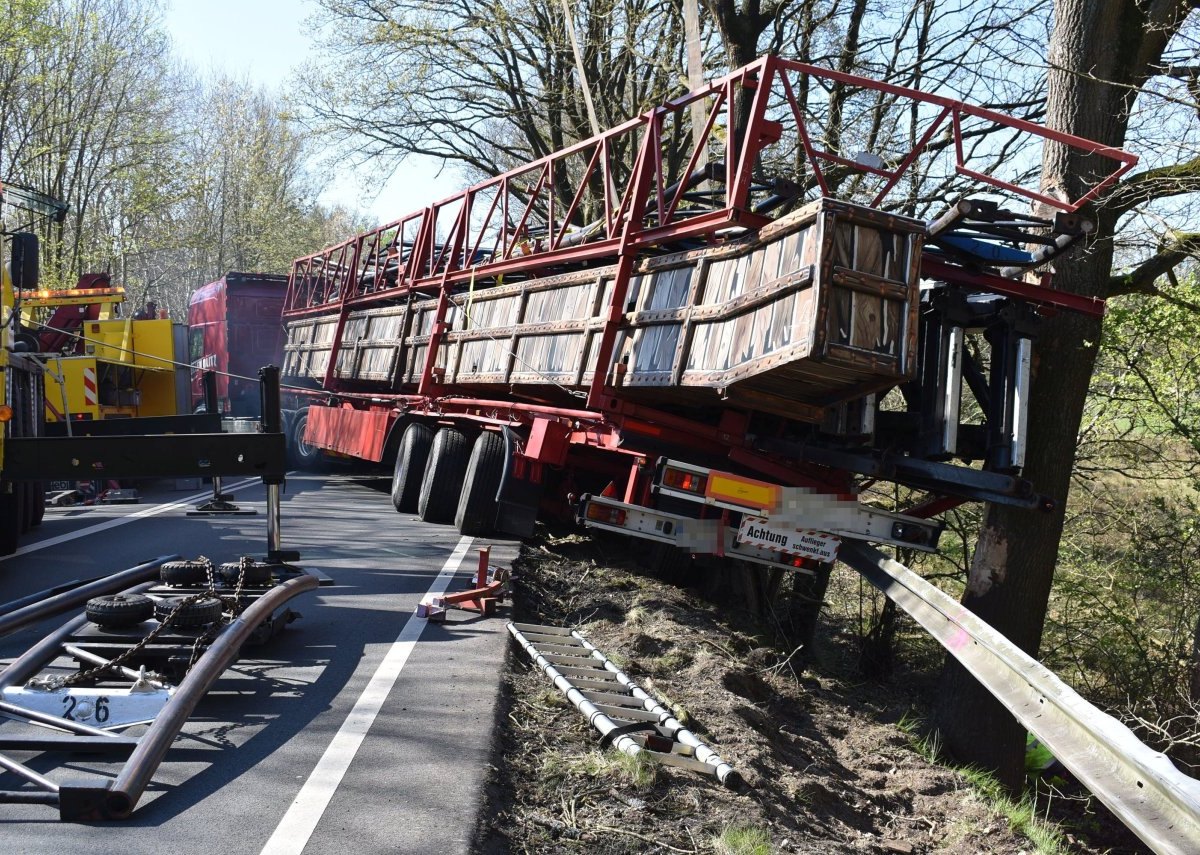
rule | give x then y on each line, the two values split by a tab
488	591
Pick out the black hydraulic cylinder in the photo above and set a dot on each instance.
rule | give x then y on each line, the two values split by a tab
210	392
272	414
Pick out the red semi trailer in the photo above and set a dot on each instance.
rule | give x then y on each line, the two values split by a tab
234	328
710	344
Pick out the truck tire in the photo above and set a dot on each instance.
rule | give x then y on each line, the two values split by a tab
27	506
21	498
476	515
119	609
10	521
409	473
300	454
443	476
199	612
39	502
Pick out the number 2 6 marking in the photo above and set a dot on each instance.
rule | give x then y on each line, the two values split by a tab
71	703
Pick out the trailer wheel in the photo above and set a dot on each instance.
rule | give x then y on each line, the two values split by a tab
411	460
443	476
184	573
119	609
301	455
199	612
476	514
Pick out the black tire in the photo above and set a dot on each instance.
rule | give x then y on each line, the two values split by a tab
257	574
443	476
119	609
10	520
39	502
199	612
21	501
409	472
476	515
27	506
300	454
184	573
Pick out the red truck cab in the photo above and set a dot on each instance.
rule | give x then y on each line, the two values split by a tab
235	328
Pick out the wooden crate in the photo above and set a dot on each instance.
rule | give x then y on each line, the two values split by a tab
819	307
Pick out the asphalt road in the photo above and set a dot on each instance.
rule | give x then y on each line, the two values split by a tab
359	729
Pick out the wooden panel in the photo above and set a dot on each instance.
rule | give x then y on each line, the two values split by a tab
817	307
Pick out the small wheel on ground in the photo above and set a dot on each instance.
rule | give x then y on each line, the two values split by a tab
119	609
409	473
476	515
300	454
256	575
184	573
199	612
443	476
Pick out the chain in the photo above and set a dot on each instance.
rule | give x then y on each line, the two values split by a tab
232	604
52	683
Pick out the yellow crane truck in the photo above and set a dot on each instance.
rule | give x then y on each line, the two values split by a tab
102	361
22	502
147	436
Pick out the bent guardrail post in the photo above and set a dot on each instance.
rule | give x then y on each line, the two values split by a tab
1160	804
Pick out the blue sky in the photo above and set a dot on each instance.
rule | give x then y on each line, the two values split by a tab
263	40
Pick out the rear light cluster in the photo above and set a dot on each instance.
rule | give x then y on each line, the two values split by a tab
603	514
687	482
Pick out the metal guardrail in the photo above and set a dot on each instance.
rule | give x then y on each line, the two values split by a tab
1140	786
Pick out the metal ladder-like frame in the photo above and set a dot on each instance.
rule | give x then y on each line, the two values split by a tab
627	717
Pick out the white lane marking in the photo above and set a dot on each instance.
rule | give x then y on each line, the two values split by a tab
113	523
296	827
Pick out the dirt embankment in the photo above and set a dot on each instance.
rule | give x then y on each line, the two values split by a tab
832	763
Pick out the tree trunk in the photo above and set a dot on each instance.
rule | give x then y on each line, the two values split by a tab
1195	682
1100	55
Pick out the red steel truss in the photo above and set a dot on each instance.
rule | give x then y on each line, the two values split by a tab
639	185
529	218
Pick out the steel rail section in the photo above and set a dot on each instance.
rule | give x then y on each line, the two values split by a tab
116	799
1141	786
12	620
706	760
119	797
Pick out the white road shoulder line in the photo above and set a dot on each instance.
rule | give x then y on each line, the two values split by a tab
152	511
296	827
